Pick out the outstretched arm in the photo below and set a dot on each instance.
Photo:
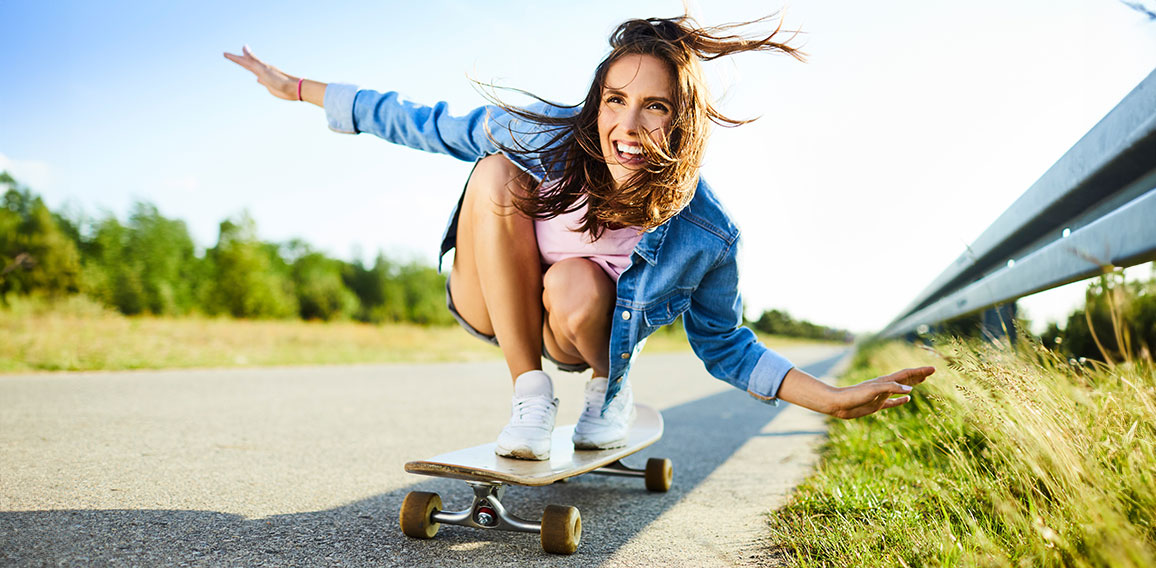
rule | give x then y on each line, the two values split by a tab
478	133
280	84
854	401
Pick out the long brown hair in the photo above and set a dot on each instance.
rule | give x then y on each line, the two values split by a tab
653	194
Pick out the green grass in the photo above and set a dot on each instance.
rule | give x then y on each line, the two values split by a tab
1003	458
77	334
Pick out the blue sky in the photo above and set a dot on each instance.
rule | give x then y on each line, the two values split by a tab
913	126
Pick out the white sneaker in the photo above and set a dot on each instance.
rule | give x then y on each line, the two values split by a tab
527	436
601	431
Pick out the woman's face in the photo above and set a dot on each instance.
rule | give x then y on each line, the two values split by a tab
637	100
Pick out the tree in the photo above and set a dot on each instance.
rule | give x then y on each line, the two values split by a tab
249	278
164	259
35	254
149	265
381	294
107	276
424	295
317	280
778	322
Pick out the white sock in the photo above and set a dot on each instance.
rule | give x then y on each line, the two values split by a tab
533	383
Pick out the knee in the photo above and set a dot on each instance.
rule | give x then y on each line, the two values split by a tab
578	295
495	179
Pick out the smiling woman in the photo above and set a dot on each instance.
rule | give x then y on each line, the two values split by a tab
582	229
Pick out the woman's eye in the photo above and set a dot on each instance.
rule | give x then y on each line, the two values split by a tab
658	106
614	100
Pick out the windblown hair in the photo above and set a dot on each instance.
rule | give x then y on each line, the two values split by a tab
655	193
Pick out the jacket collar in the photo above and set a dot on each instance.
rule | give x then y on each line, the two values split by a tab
651	243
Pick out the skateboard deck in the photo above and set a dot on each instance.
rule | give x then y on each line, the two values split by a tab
488	475
480	463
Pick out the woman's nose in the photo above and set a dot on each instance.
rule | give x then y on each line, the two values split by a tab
630	121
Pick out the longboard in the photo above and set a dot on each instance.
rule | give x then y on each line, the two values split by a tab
488	474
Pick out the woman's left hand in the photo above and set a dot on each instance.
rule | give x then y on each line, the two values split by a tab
876	394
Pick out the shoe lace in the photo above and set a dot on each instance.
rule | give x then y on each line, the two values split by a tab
594	400
532	410
593	414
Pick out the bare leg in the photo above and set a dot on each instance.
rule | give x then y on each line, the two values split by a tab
579	298
496	280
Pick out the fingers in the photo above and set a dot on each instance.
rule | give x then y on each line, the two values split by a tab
242	60
893	402
890	388
910	376
246	59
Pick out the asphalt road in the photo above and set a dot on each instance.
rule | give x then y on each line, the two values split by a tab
304	466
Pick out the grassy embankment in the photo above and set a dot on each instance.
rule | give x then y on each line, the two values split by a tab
1003	458
77	334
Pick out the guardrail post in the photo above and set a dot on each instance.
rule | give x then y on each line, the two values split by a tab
999	322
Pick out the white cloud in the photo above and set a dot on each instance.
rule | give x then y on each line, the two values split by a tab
29	173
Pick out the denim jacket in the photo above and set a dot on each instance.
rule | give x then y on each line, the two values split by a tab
686	266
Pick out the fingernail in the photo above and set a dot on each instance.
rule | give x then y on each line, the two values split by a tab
906	388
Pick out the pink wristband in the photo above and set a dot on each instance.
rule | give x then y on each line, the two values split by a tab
299	81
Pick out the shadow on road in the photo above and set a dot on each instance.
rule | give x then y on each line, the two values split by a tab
700	436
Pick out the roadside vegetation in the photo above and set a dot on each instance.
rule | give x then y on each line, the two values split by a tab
93	293
149	265
78	334
1021	455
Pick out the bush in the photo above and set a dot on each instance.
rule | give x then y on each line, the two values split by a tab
1118	322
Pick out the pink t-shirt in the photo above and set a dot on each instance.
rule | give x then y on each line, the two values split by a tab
558	241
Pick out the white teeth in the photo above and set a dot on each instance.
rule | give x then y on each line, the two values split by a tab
629	149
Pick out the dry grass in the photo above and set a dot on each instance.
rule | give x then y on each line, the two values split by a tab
1004	458
81	336
77	334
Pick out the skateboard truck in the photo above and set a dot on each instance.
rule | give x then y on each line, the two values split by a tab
487	511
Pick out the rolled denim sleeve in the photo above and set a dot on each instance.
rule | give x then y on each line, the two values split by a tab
731	351
339	107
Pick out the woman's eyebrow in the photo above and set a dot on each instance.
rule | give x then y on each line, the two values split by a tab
608	91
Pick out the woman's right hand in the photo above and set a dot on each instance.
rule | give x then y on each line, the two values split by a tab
279	83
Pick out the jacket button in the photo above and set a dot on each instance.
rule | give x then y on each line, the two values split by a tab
625	355
626	314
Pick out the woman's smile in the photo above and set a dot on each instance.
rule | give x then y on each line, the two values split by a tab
629	154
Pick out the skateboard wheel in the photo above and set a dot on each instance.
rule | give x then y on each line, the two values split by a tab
659	475
561	529
416	513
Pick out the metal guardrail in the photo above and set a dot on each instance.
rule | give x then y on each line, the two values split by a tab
1094	207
